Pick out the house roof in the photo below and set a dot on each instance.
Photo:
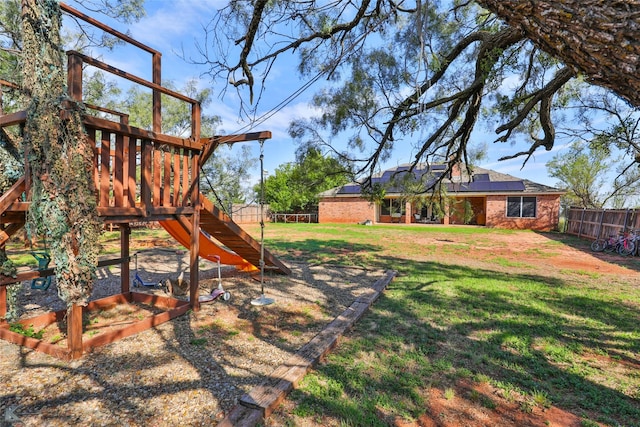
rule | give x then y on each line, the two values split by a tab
481	181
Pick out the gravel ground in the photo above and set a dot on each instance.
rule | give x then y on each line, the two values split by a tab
189	371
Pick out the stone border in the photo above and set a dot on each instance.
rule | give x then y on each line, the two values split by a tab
259	403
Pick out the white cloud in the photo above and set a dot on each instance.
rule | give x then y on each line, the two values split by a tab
168	21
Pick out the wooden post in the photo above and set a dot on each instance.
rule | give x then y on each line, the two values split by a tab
157	167
3	304
74	331
118	172
185	178
125	231
599	225
582	221
145	166
166	177
74	77
195	236
195	121
156	63
131	186
194	251
105	172
176	177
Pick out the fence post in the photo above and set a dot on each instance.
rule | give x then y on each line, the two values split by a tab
600	225
626	218
581	222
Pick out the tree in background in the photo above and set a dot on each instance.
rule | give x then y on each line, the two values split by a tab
580	172
294	187
593	178
427	72
225	177
600	167
176	114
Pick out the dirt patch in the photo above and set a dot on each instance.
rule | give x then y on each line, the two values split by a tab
469	404
99	321
533	249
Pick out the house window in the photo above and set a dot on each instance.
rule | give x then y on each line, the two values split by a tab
521	207
390	206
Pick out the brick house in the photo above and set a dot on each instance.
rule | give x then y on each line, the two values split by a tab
485	197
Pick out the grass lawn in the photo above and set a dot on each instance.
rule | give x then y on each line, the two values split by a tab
478	318
481	327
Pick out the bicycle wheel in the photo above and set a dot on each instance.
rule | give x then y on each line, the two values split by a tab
598	245
610	246
626	247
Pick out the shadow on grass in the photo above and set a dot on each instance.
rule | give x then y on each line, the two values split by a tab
321	251
525	333
584	245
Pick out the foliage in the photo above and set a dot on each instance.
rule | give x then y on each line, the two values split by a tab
10	45
63	201
585	172
8	268
11	161
97	90
607	131
420	74
295	186
176	114
123	10
27	331
225	176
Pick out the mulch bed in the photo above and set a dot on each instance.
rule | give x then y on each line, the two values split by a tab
192	370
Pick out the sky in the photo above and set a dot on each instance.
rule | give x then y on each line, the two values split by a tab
172	26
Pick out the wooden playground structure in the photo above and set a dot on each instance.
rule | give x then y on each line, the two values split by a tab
140	176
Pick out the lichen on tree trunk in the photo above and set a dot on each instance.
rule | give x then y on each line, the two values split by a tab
63	203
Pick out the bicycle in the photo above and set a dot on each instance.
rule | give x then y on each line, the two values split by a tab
633	245
627	243
607	245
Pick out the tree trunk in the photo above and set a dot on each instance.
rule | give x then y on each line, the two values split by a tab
63	203
597	38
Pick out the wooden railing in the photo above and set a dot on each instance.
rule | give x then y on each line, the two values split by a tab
138	173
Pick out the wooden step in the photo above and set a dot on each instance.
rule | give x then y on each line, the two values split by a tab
222	228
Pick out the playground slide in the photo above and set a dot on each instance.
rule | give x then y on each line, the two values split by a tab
207	247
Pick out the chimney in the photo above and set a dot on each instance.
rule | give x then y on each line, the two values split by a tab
456	170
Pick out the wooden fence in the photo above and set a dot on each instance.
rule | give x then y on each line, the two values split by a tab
248	214
300	217
596	223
